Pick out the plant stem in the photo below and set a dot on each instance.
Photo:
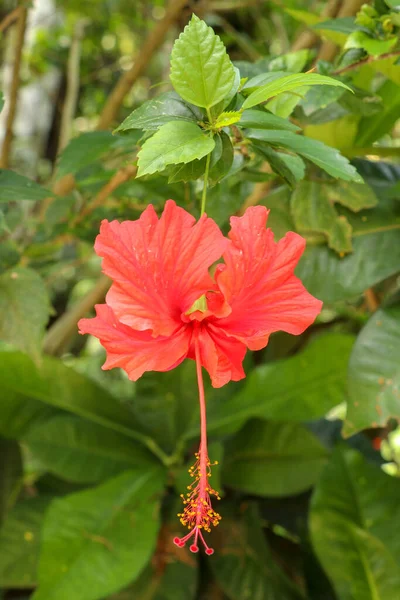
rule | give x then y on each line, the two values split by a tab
204	194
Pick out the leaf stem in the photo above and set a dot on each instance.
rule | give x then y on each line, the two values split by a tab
204	194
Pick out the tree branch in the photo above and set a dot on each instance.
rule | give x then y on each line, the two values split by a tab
9	19
365	61
13	96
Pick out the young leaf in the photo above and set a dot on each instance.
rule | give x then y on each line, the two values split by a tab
17	187
227	118
174	143
157	112
327	158
261	119
287	84
201	71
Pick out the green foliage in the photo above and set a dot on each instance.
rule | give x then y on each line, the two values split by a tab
91	463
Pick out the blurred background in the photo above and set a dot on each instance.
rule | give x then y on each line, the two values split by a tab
92	464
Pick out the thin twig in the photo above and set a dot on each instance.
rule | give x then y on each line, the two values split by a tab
13	96
365	61
9	19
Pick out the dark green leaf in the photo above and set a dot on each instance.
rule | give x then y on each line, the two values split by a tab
97	541
290	167
223	165
327	158
158	111
10	475
374	372
24	309
373	128
287	84
261	119
201	71
20	543
196	168
273	459
174	143
311	383
355	515
16	187
80	451
9	255
83	151
243	564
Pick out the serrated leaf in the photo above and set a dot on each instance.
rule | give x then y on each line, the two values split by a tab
195	169
354	519
273	459
227	118
261	119
201	71
374	373
15	187
24	309
80	451
157	112
174	143
290	167
106	537
287	84
312	383
327	158
83	151
20	543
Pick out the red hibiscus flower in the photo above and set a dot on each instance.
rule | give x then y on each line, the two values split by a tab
164	306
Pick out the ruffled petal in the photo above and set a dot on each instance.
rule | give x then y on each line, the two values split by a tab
220	355
135	351
159	266
257	281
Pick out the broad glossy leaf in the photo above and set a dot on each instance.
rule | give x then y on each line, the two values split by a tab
95	542
10	474
355	515
374	372
174	143
310	383
80	451
196	168
325	157
261	119
331	278
287	84
32	394
201	71
24	309
290	167
273	459
223	165
83	151
158	111
243	563
17	187
20	543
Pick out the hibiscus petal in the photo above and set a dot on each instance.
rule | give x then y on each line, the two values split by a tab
220	355
135	351
257	281
159	266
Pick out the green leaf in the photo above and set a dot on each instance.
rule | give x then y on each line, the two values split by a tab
223	165
273	459
290	167
201	71
157	112
15	187
83	151
287	84
374	127
354	519
174	143
10	474
327	158
330	278
97	541
24	309
196	168
261	119
227	118
9	255
374	373
303	16
243	563
80	451
20	543
29	390
360	39
312	382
